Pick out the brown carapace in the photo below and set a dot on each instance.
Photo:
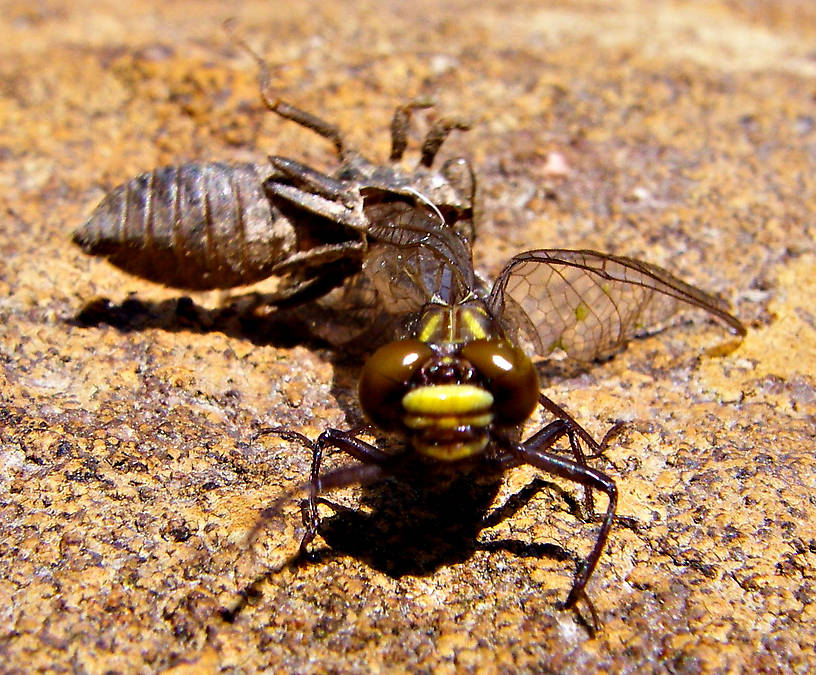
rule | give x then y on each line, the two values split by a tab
219	225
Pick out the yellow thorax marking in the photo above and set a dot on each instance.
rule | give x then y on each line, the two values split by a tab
453	324
430	326
476	329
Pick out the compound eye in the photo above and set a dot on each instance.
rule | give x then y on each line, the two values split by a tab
385	379
509	375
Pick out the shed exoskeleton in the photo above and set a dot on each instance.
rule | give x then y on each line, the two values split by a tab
218	225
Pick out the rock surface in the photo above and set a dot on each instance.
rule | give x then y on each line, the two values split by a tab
680	133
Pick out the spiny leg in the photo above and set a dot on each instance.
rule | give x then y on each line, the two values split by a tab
437	134
370	471
598	449
399	126
346	441
287	111
588	477
271	511
547	436
542	440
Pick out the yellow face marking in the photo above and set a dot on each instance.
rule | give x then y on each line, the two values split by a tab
417	422
447	399
450	452
475	328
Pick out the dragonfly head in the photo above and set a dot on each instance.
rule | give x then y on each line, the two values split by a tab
447	398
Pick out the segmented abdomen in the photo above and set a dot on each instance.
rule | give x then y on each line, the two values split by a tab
196	226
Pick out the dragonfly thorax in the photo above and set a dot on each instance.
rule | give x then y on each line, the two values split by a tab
441	323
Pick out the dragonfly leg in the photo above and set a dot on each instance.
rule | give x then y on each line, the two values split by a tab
598	449
370	456
590	478
371	470
547	436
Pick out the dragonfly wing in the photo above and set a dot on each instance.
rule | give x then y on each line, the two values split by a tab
590	304
415	256
412	255
350	317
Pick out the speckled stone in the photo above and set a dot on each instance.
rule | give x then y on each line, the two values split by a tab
680	133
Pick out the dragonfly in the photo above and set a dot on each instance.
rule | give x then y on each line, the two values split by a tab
455	378
374	254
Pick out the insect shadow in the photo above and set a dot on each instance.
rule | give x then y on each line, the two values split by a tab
252	318
244	317
406	525
411	526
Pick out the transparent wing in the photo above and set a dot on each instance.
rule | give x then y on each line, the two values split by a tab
351	316
416	256
412	256
590	304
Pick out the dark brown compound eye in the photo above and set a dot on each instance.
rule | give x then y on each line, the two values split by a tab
509	375
385	378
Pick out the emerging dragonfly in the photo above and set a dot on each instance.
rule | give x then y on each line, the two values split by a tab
457	384
388	253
